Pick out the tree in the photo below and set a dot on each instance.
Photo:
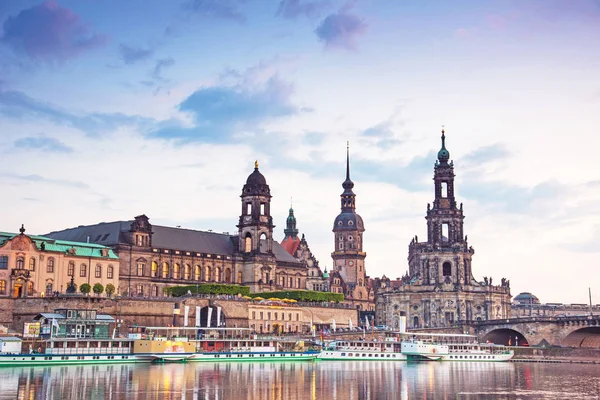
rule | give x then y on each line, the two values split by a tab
110	289
98	289
85	288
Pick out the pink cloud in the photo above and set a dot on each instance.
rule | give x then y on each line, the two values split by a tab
49	32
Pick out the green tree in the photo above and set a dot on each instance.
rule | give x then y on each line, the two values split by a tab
85	288
110	289
98	289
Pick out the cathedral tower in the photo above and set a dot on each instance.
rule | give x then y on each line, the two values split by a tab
255	232
348	256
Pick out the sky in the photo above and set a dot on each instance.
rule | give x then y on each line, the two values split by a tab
112	109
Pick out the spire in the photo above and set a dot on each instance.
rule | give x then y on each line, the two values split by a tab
348	184
22	230
256	164
290	230
443	154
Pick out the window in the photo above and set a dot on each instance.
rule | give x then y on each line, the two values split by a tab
445	233
83	270
239	277
165	271
109	272
217	274
98	271
253	314
341	246
248	208
140	269
71	269
140	290
32	264
20	263
50	265
262	208
197	273
299	283
49	288
154	269
207	273
176	272
4	262
447	269
188	272
444	188
155	291
248	243
2	288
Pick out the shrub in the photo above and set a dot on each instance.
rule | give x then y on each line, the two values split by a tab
98	289
208	288
302	295
85	288
110	289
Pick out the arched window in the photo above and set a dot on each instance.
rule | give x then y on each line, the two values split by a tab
217	274
176	272
50	265
415	322
187	272
2	288
83	270
110	272
49	288
248	243
98	271
299	283
165	271
207	273
227	275
262	239
447	269
197	273
32	264
71	268
239	280
20	263
30	290
154	269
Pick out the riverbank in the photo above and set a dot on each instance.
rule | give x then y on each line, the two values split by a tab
556	355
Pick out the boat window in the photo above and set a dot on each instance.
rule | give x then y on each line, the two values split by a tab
343	354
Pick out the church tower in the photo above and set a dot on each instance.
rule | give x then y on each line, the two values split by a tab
448	257
255	232
348	256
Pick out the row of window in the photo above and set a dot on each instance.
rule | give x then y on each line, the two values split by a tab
186	273
20	264
275	316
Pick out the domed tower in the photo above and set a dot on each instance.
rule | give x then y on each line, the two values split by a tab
291	240
256	224
348	256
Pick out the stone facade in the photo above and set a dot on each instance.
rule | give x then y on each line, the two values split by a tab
439	288
40	266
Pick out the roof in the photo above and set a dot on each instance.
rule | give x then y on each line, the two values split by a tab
104	317
52	315
82	249
290	244
113	233
10	339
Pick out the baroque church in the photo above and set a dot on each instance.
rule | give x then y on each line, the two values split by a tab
439	288
154	257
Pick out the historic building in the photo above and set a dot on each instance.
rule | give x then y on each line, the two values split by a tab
153	257
41	266
348	274
439	288
527	305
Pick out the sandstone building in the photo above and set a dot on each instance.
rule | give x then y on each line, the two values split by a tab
440	288
39	266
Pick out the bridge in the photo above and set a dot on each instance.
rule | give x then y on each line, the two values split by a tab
571	331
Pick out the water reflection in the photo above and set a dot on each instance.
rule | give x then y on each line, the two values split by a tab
303	380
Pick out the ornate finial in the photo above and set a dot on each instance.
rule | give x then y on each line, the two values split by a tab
256	164
22	230
291	203
348	160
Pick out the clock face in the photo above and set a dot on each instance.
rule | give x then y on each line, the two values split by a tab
351	263
247	218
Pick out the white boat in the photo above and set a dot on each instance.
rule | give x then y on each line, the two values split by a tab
389	350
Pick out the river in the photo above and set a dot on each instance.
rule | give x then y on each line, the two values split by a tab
335	380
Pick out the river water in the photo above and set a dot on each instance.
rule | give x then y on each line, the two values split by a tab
338	380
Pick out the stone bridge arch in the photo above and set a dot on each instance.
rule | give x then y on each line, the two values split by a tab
506	336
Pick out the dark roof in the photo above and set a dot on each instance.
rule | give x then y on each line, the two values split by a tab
256	178
348	221
164	237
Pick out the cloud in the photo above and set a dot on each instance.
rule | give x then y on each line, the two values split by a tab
18	105
493	152
51	33
40	179
223	110
46	144
341	30
131	55
589	245
292	9
224	9
160	65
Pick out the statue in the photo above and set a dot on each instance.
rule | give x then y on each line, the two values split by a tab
503	282
507	283
416	239
485	280
490	281
428	207
461	208
71	288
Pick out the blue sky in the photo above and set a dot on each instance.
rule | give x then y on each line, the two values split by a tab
112	109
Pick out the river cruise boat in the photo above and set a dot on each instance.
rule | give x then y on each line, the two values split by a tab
231	344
